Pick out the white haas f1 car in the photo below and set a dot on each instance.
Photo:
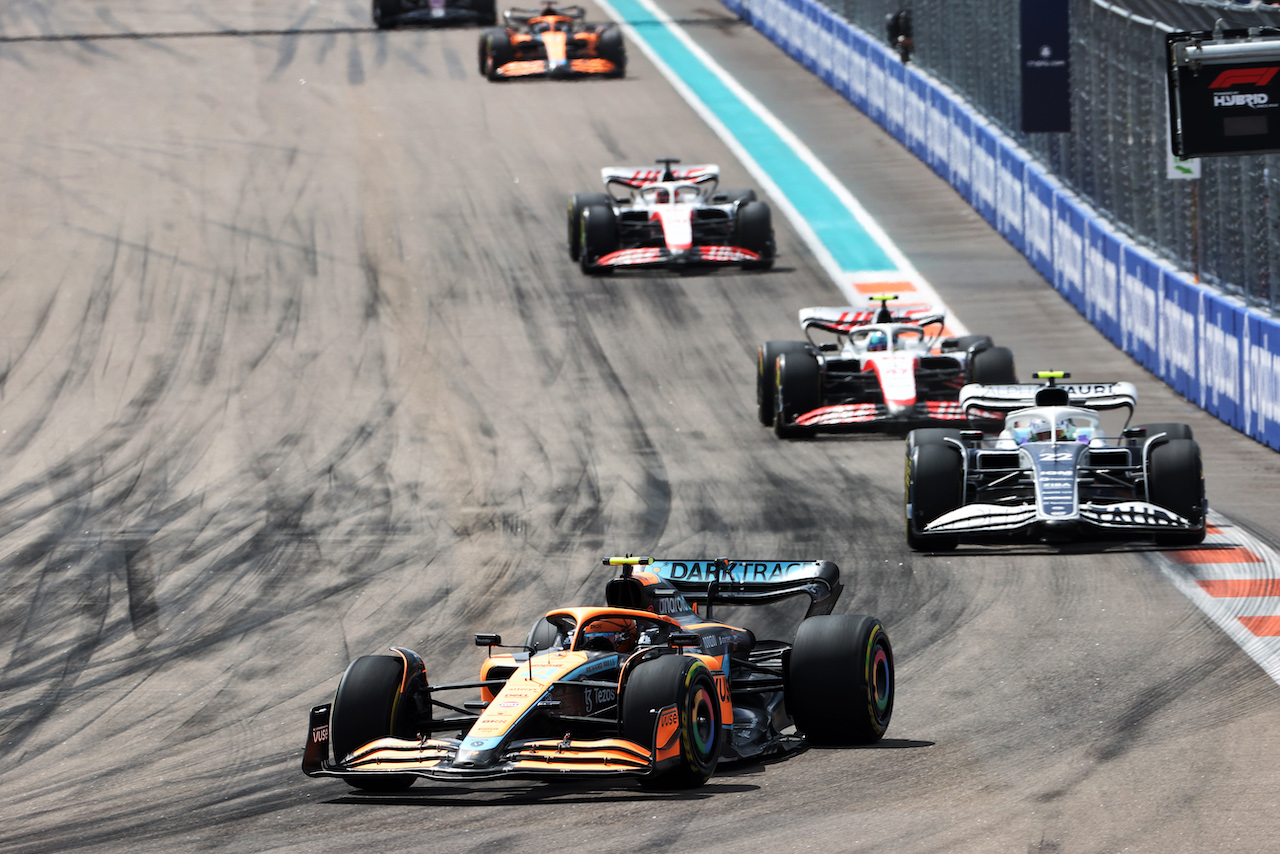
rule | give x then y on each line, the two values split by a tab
882	369
668	217
1052	474
646	686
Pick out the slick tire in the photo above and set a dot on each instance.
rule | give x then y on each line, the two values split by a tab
495	52
1170	431
1176	482
934	485
840	680
797	389
766	386
366	708
973	342
542	636
933	436
599	234
993	366
685	683
754	231
726	197
578	203
610	46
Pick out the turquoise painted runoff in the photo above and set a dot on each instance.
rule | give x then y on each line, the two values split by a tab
844	237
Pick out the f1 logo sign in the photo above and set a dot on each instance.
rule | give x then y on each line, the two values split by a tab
1243	77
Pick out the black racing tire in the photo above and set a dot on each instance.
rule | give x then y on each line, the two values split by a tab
686	683
993	366
1176	482
753	230
495	52
725	197
840	680
579	202
970	342
766	388
1171	431
932	436
935	484
486	12
599	231
384	13
797	389
542	636
610	46
497	33
368	707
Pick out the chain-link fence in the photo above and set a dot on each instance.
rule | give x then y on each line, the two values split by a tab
1223	227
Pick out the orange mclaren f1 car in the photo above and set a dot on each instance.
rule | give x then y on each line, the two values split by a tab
551	42
646	686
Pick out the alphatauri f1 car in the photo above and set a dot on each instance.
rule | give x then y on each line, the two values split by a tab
646	686
882	368
401	13
553	41
1052	474
668	217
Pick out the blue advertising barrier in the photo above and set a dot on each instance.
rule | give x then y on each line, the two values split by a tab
1208	347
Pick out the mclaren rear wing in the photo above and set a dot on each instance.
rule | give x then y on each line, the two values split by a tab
642	176
841	319
1007	398
745	582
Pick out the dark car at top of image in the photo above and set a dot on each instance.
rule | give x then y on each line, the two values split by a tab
647	686
388	14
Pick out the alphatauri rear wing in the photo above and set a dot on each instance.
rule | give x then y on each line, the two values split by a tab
1007	398
745	582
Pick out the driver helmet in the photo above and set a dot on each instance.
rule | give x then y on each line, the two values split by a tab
615	633
1031	430
1069	431
662	196
877	340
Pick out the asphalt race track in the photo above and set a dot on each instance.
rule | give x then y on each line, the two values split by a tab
294	366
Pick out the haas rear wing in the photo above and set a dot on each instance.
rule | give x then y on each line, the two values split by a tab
746	582
841	319
1007	398
642	176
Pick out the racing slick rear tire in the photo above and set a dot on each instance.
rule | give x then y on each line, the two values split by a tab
599	231
687	684
766	393
932	436
611	47
495	52
369	706
993	366
797	389
840	680
754	231
1171	431
1176	483
935	484
384	13
578	203
727	197
973	342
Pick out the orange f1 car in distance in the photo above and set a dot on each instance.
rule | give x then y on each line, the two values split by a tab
551	42
646	686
